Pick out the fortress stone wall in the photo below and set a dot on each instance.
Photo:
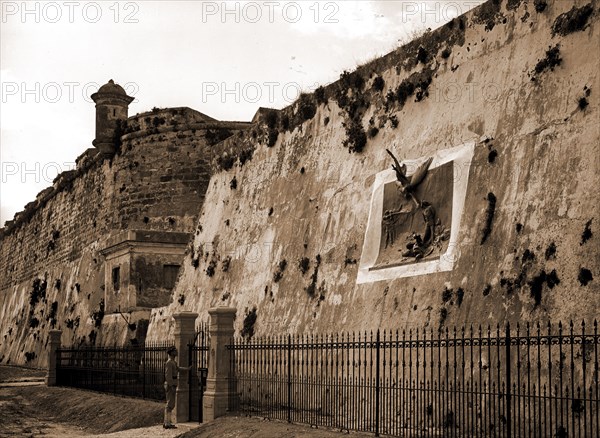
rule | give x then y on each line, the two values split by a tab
56	256
282	236
289	217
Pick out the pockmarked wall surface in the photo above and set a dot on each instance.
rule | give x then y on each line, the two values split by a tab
56	256
283	234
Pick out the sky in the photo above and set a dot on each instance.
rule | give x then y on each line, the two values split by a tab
224	59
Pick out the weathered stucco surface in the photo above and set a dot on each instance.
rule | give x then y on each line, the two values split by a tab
283	218
52	269
534	178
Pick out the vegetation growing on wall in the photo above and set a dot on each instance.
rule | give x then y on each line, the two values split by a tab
227	159
225	264
320	96
422	55
489	14
532	284
487	289
248	325
356	137
443	316
537	282
304	265
226	162
550	251
245	155
587	232
38	292
378	83
572	21
540	5
98	315
549	62
373	131
311	289
350	261
460	293
214	136
72	323
278	275
451	296
350	94
585	276
272	137
212	265
306	107
271	118
52	314
416	84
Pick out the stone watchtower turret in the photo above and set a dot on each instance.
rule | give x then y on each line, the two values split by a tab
112	104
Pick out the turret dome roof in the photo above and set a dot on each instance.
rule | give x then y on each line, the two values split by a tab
111	87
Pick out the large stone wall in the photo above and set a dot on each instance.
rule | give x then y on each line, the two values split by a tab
282	228
52	268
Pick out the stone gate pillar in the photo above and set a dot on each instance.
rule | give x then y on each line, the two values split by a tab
216	398
53	345
185	331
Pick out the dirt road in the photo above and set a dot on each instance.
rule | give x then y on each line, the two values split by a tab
30	409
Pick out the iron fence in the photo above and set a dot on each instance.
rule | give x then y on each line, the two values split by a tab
136	371
198	359
532	381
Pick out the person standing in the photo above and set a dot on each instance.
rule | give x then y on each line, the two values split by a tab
172	370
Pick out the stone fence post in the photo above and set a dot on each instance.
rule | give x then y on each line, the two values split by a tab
53	346
185	331
216	398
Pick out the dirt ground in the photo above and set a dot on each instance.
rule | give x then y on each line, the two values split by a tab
251	427
30	409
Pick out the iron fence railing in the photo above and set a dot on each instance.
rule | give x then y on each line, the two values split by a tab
136	371
198	359
532	381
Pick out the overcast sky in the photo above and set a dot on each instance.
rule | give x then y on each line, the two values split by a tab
224	59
